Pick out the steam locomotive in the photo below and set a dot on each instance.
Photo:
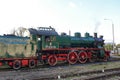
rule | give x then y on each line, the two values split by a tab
46	46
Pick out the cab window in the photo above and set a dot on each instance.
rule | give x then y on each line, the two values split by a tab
47	38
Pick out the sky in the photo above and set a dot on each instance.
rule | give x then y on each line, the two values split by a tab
63	15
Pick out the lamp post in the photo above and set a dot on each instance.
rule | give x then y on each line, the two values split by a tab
112	34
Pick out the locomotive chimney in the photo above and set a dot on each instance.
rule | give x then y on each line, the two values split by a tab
101	36
95	35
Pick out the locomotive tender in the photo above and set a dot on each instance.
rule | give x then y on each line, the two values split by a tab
45	45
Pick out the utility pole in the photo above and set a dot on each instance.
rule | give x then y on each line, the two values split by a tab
112	34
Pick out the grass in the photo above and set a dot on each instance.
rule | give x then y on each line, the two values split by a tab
4	66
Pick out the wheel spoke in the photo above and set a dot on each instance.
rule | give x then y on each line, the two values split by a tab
82	57
52	60
72	57
17	64
32	63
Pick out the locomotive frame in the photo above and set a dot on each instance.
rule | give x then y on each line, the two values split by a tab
72	55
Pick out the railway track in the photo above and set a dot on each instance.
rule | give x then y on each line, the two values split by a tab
60	70
42	67
89	75
100	75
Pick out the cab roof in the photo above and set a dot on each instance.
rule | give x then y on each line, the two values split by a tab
47	31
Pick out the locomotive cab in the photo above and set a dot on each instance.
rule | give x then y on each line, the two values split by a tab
46	37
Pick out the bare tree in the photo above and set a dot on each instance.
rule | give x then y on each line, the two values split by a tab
12	31
19	31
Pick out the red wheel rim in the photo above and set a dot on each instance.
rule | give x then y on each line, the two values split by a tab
32	63
72	57
16	64
82	57
52	60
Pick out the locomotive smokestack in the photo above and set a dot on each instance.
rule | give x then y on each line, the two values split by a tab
95	35
101	36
